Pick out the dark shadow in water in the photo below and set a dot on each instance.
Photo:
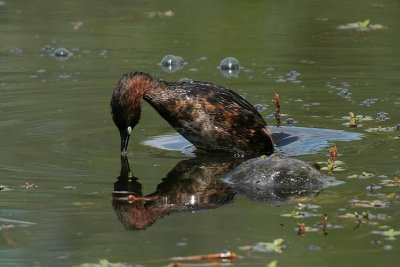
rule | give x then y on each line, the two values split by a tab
195	184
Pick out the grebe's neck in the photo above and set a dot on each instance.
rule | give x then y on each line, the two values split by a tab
126	102
138	84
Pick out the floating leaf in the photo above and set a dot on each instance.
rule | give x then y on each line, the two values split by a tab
390	234
361	26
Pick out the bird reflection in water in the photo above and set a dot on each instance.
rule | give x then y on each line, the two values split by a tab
192	185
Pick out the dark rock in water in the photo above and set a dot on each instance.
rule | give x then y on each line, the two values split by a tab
276	179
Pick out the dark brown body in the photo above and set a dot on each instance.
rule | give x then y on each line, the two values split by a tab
211	117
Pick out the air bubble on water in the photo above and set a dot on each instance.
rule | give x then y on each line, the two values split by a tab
15	50
344	93
229	63
260	107
293	74
65	76
103	53
289	121
382	117
184	80
62	54
229	67
171	63
201	59
295	81
181	244
47	48
369	102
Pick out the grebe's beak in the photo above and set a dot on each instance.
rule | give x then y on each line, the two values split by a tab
125	139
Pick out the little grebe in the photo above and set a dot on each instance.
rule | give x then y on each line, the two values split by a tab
211	117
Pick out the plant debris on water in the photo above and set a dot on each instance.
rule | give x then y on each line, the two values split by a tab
369	204
361	26
363	175
389	234
276	246
106	263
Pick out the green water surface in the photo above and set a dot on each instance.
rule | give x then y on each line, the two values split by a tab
56	130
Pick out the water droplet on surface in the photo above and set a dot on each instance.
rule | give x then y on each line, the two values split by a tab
62	54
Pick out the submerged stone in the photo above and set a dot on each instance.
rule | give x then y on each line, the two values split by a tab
276	179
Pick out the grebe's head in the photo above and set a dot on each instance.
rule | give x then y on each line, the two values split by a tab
126	103
125	124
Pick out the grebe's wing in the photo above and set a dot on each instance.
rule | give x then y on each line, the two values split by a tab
220	93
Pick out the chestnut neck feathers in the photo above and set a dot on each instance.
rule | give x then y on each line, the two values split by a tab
126	101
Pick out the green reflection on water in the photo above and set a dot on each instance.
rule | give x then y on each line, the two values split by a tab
56	129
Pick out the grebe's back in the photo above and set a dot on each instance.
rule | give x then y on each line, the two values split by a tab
212	117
